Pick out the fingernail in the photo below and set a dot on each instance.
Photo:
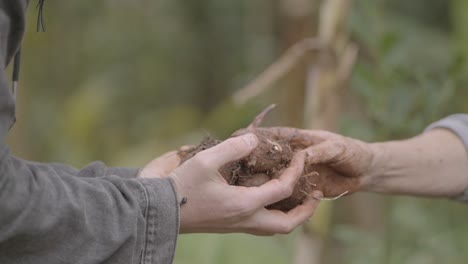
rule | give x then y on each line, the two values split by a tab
317	194
250	139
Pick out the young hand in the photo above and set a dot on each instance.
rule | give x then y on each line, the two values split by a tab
215	206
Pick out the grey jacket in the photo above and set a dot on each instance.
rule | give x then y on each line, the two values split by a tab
53	213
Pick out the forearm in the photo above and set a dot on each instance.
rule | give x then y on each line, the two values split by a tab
432	164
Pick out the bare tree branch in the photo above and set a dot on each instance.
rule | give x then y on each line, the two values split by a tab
277	70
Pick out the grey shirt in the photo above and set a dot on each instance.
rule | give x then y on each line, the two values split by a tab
53	213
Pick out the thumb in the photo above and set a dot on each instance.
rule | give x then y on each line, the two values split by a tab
230	149
325	152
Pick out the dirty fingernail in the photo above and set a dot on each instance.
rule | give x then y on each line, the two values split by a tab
250	139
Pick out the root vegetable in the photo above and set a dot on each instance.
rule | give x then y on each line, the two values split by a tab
268	161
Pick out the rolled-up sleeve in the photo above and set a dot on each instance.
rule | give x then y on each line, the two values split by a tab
458	124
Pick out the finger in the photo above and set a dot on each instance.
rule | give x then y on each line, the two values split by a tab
281	188
327	152
229	150
169	162
169	155
277	222
163	165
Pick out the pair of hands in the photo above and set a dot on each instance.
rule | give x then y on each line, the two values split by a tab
216	207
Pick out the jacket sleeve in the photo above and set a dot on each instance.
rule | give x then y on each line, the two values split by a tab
95	169
49	215
458	124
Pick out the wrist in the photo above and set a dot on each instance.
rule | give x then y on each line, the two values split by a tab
372	178
177	188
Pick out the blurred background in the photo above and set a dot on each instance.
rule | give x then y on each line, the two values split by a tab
125	81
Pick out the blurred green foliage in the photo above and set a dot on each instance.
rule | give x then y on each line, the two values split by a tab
412	72
124	81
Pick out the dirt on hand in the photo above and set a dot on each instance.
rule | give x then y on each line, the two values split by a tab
268	161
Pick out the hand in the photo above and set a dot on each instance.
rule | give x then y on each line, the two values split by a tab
161	166
217	207
343	164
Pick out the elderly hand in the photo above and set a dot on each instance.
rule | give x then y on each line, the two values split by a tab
342	164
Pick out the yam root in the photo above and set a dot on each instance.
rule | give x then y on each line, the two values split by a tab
266	162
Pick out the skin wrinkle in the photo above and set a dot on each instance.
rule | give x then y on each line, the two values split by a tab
432	164
405	167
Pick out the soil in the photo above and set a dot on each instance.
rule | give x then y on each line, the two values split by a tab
266	162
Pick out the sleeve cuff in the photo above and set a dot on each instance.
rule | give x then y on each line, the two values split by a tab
162	220
123	172
458	124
